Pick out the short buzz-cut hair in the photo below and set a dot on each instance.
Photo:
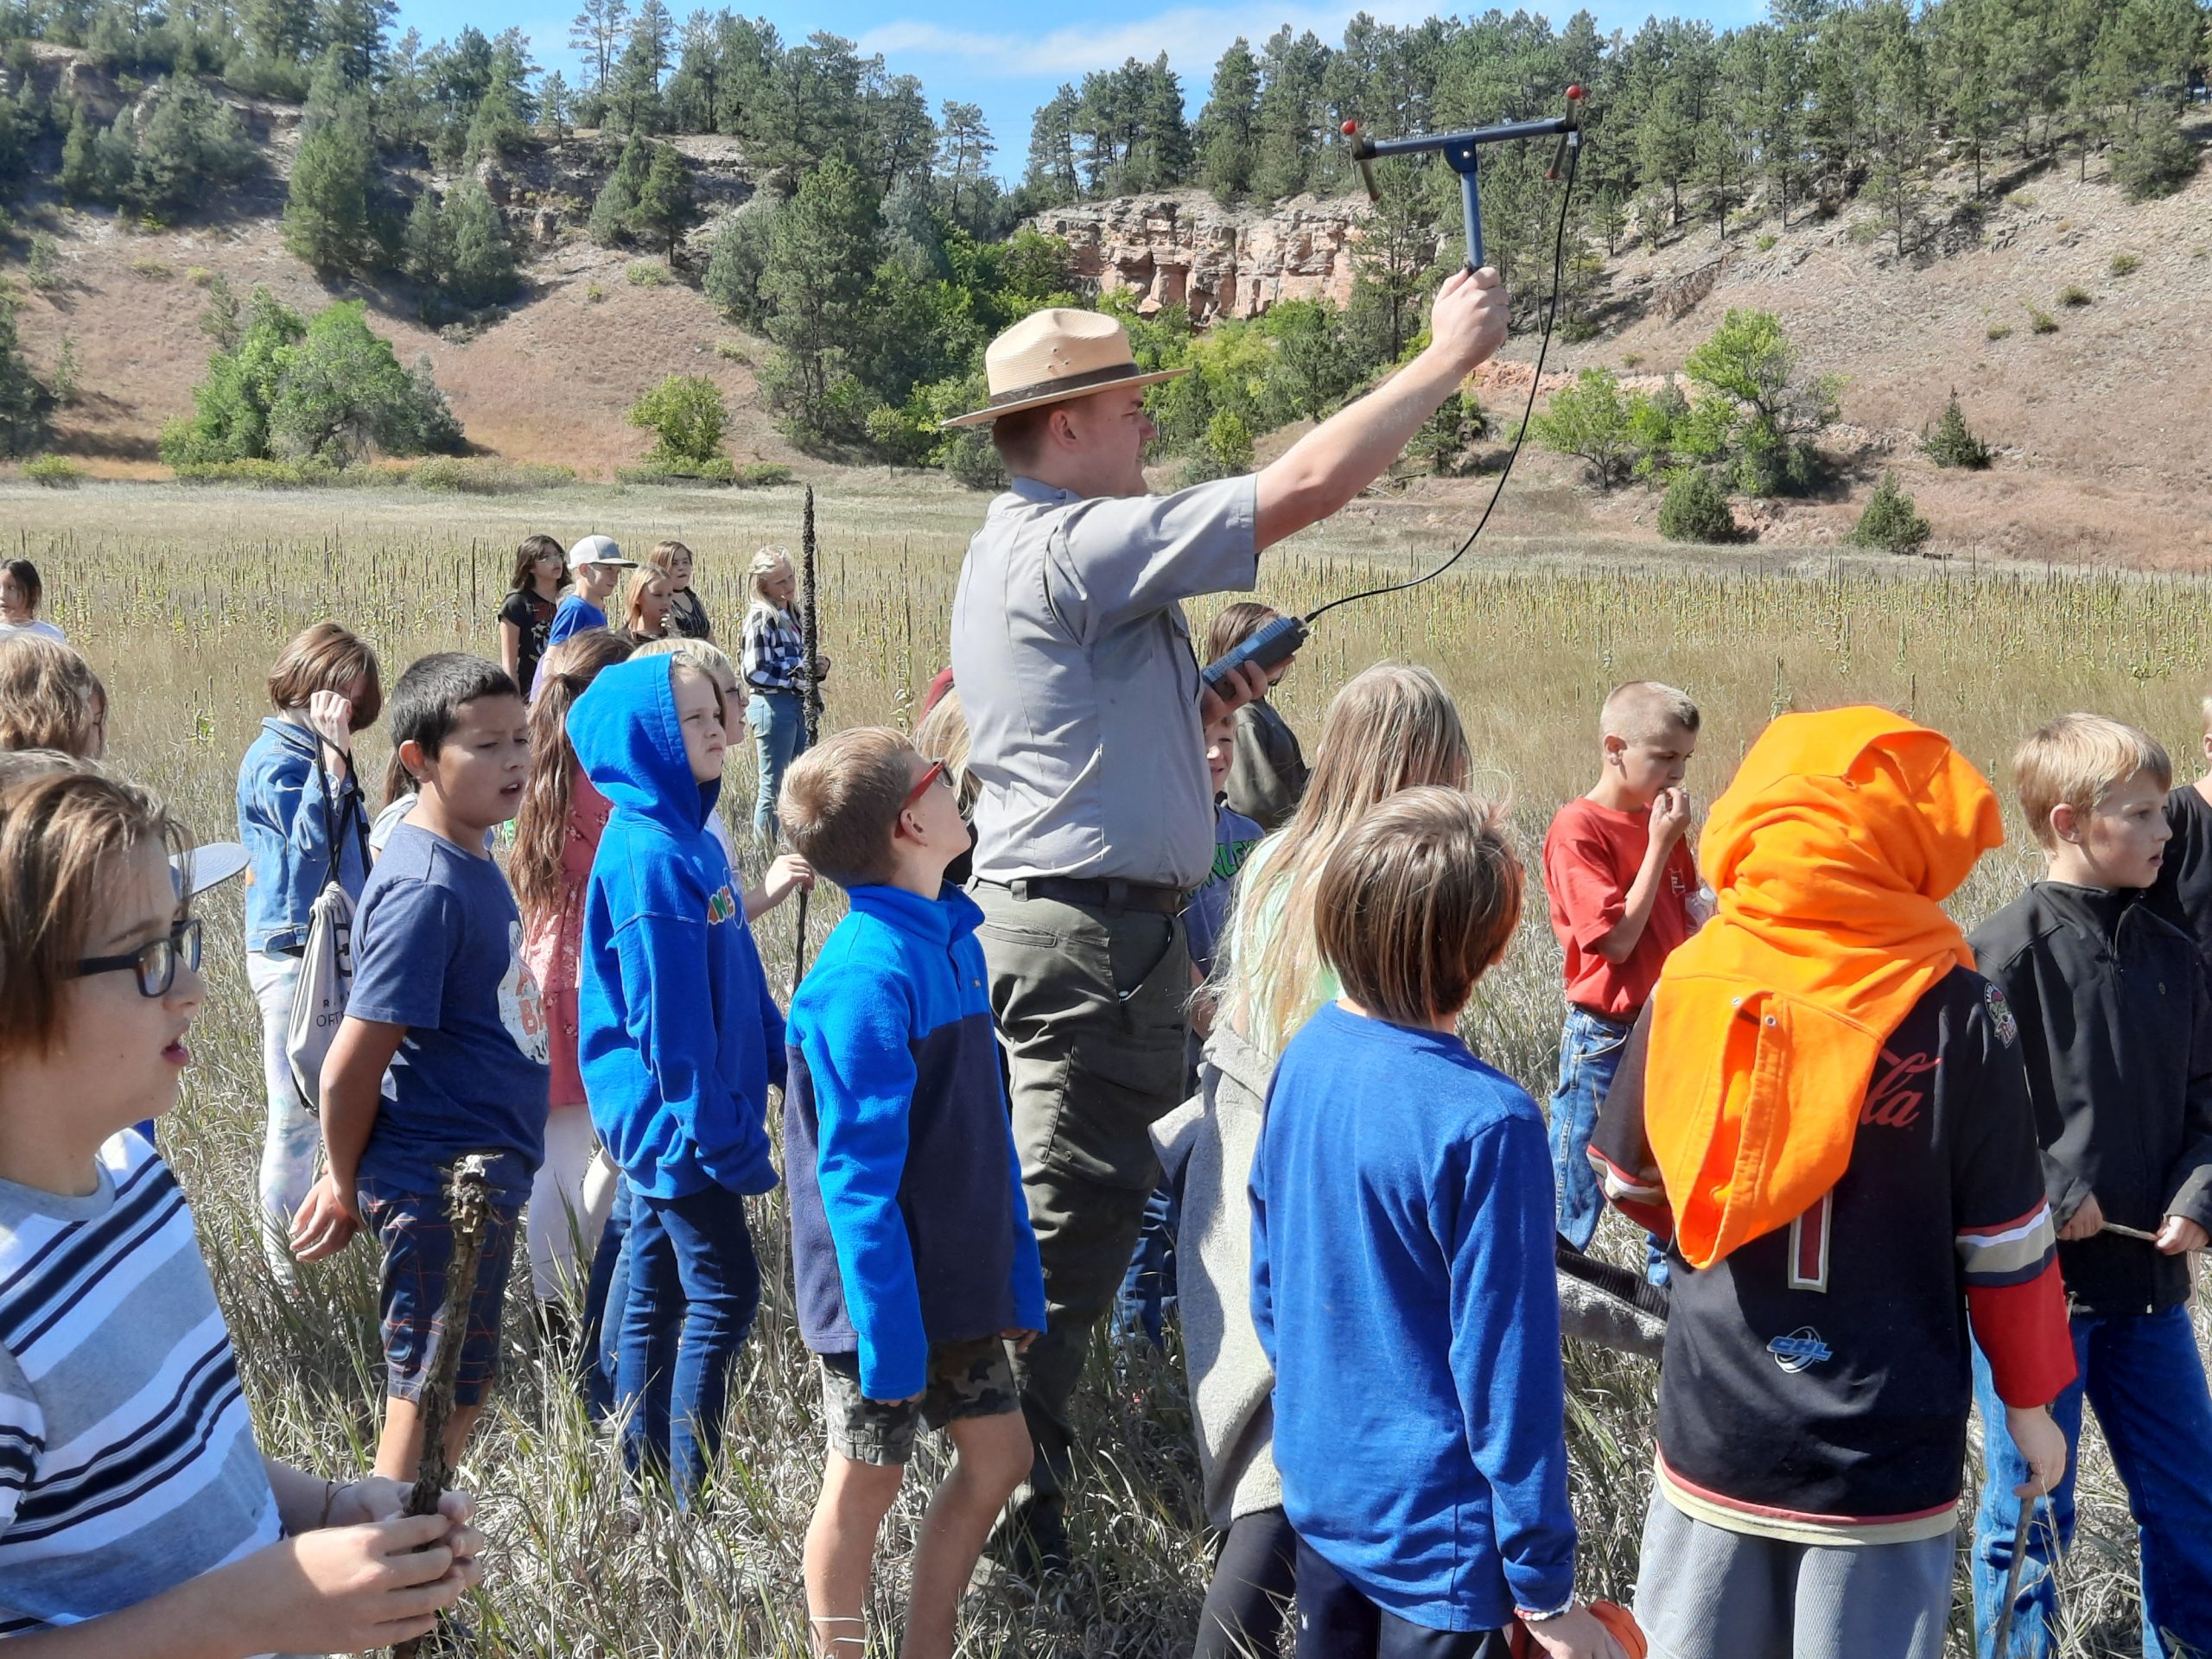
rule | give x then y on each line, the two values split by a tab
841	802
426	703
63	823
1417	903
50	698
1016	435
2078	761
327	657
1635	710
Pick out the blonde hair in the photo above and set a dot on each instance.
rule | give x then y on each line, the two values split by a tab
1390	729
765	563
943	735
2078	761
1417	902
50	698
703	655
62	828
841	802
1636	711
634	584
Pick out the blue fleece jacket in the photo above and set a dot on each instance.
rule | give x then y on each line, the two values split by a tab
678	1039
1402	1286
908	1223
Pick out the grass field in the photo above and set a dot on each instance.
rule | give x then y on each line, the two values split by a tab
181	598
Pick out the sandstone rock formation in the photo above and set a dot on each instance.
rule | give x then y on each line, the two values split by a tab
1184	248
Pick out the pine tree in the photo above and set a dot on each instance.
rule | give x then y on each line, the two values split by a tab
964	152
1051	176
190	144
616	205
1952	443
556	106
481	268
80	174
327	207
1225	125
23	402
821	253
355	29
597	34
665	203
635	93
425	248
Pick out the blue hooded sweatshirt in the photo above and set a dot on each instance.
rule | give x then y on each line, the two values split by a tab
908	1223
677	1038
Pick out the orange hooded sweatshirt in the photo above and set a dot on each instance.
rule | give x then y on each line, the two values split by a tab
1831	851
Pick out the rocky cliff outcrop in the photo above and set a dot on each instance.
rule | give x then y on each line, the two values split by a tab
1184	248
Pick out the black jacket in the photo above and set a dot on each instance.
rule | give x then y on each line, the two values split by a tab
2116	1029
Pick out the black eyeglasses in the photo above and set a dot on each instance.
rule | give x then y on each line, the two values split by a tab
155	962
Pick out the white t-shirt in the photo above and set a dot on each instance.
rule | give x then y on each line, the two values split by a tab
38	625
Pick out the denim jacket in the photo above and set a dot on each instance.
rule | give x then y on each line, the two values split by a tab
286	831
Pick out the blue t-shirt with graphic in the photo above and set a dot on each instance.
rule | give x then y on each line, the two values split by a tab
1234	836
437	948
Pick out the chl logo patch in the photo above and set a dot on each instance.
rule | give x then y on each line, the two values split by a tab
2000	1011
721	906
1799	1349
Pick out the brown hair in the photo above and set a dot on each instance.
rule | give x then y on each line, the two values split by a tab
1417	902
662	555
62	829
841	799
1390	729
2079	759
528	553
326	658
1018	435
634	583
50	698
1235	624
541	822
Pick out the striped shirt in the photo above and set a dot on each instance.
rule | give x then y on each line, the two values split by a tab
774	651
127	1459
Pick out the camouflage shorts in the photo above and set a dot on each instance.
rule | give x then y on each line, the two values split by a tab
966	1379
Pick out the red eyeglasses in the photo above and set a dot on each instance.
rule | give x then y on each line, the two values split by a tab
929	775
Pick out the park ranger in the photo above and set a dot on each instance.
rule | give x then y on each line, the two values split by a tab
1074	665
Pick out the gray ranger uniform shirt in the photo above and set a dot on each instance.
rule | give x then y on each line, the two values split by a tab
1074	666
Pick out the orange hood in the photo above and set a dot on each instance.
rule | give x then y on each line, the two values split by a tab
1831	851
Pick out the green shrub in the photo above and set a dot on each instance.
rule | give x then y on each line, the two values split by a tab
1765	243
2040	321
1891	521
2124	264
1695	508
763	475
687	416
44	272
457	476
1952	443
2021	199
54	473
266	475
2073	294
594	292
1998	331
732	351
151	268
200	276
647	273
2154	157
1865	232
1590	421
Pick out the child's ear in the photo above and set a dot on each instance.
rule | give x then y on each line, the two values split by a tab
2064	824
1615	748
412	758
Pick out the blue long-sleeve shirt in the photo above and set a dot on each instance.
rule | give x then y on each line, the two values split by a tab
1402	1286
677	1038
908	1223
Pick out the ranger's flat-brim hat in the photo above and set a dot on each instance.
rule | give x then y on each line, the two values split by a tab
1052	355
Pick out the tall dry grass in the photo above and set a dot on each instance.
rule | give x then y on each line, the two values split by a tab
181	598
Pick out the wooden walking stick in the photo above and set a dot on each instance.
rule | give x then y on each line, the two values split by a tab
468	1209
809	641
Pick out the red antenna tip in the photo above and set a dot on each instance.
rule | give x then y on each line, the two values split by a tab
1350	127
1577	92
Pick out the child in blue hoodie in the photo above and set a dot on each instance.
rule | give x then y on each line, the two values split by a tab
911	1243
1402	1271
677	1040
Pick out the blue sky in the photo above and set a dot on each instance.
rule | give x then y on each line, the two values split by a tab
1007	56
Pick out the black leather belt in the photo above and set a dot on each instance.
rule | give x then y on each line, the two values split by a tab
1095	895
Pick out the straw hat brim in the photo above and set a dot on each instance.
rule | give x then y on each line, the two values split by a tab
985	417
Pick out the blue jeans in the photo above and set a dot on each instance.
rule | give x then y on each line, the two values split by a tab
779	722
1148	1291
694	1289
2142	1374
1589	1053
606	1295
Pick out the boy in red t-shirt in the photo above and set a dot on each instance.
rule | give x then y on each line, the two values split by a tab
1623	892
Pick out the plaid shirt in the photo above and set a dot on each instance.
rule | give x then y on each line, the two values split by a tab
775	651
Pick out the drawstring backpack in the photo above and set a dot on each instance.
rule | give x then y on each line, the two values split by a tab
326	959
